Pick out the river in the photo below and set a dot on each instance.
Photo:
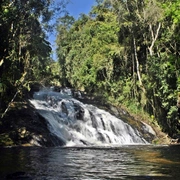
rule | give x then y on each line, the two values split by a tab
134	162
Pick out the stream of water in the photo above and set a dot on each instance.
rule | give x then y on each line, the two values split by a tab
75	123
145	162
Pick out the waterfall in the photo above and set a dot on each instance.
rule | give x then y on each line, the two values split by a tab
76	123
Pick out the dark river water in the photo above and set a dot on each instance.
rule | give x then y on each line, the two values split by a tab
81	163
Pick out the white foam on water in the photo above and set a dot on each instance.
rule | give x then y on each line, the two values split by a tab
81	124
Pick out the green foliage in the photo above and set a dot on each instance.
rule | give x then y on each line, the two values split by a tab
172	10
127	51
88	50
25	51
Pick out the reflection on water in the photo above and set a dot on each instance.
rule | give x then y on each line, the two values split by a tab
126	163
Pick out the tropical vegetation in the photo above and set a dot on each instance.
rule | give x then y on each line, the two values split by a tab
25	53
127	51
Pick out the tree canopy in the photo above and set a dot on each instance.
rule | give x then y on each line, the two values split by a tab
25	53
129	52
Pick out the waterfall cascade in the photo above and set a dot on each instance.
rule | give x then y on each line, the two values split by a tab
76	123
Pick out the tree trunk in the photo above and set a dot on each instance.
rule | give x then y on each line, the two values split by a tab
154	37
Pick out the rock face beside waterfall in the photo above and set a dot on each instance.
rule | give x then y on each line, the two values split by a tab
23	126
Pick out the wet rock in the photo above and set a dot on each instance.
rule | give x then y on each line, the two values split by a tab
64	108
22	125
79	112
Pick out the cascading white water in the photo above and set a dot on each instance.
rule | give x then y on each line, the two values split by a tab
76	123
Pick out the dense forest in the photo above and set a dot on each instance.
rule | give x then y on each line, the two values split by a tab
126	51
25	53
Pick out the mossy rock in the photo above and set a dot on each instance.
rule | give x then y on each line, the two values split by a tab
5	140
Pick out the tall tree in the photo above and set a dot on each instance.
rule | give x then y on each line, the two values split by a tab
25	51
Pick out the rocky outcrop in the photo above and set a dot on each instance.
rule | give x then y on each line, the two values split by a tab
150	131
22	125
